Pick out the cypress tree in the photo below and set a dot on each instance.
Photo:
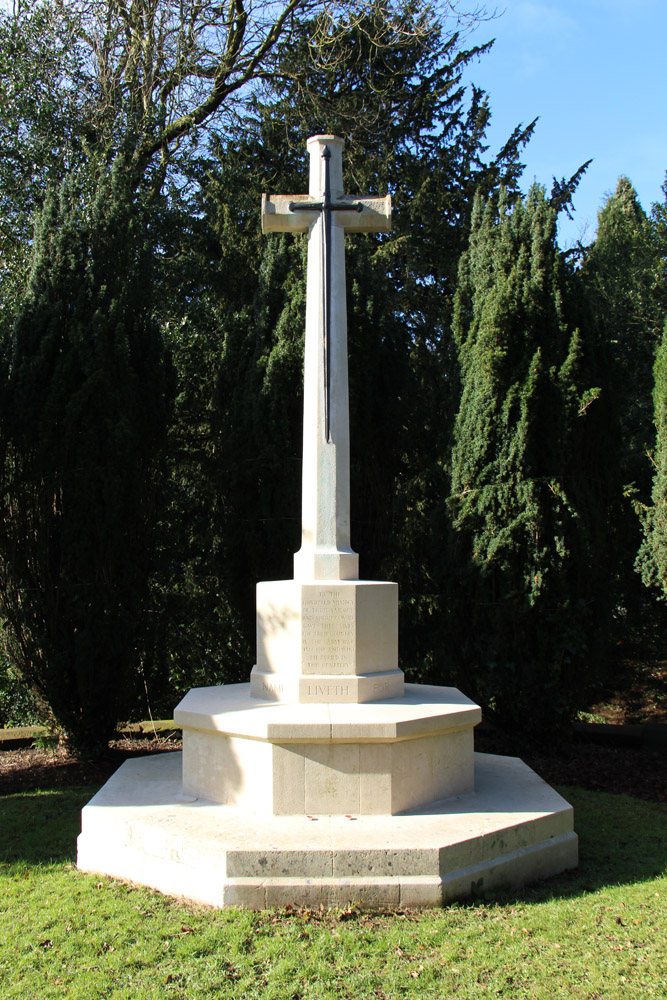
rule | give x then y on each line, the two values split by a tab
622	273
651	560
257	423
523	586
83	422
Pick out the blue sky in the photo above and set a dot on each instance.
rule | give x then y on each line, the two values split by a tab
595	73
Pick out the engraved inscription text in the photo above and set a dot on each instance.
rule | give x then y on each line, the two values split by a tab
328	631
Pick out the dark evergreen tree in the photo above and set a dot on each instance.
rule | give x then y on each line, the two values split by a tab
82	426
622	274
659	224
651	562
41	130
525	589
652	557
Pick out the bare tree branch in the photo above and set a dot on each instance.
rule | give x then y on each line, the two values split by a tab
159	69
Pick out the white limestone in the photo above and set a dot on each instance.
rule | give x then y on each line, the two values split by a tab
327	641
282	759
326	552
424	709
326	779
141	827
326	636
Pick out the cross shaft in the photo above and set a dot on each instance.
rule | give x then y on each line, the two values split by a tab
326	207
326	214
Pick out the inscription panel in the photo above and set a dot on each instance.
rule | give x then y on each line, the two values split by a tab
328	691
328	631
268	687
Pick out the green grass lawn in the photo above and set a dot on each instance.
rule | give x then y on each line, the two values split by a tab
598	932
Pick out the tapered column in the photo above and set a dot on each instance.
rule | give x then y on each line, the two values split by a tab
326	552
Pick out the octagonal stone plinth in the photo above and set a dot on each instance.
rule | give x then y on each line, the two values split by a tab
141	826
380	758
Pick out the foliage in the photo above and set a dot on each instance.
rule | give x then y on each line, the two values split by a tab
201	109
622	274
84	410
43	90
659	224
526	594
86	82
139	86
651	560
144	79
18	706
598	930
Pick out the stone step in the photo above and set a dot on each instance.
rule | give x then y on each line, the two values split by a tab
141	827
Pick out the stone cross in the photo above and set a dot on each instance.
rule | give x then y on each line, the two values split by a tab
326	214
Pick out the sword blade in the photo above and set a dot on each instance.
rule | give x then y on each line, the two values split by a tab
326	212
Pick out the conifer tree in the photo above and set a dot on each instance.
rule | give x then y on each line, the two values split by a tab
523	587
622	275
82	424
651	560
659	225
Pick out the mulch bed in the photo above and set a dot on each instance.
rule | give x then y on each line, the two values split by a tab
633	771
31	768
618	769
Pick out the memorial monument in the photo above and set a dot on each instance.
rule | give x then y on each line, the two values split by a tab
326	779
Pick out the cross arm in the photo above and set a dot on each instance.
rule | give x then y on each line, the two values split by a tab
277	216
375	216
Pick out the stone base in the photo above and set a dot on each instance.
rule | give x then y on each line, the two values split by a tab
324	641
381	757
352	689
141	827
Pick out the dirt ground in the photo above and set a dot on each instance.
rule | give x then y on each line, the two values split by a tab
634	771
639	694
30	768
629	770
